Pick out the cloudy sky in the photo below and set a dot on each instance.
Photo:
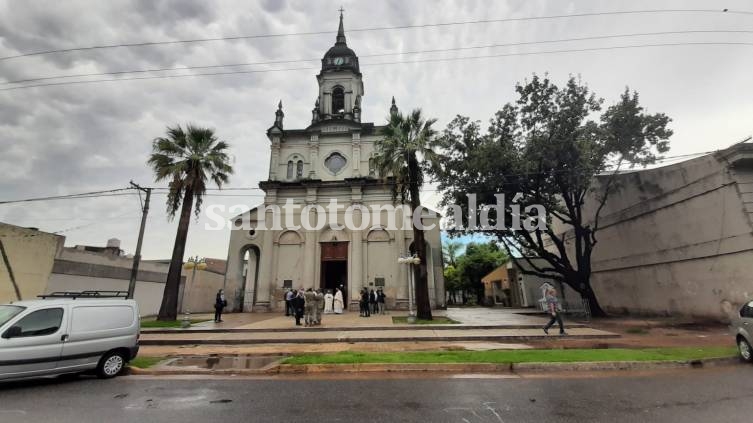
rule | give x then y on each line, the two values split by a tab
75	138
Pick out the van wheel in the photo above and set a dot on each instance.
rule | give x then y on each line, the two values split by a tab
746	352
110	365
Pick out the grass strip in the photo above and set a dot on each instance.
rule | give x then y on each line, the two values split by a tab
145	362
515	356
439	320
167	323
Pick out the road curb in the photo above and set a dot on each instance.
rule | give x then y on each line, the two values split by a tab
446	367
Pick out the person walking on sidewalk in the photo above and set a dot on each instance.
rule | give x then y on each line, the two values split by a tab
553	306
219	303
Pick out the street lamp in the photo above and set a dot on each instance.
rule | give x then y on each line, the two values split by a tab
193	263
410	260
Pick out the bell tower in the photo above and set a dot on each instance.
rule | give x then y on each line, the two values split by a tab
340	84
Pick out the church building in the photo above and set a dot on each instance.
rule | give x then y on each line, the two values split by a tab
330	160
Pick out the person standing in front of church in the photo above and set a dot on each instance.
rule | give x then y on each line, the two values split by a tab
298	304
380	300
373	301
328	302
338	301
310	306
318	306
365	302
289	311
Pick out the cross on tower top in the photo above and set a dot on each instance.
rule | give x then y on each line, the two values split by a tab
341	10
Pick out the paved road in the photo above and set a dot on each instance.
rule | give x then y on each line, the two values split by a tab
722	395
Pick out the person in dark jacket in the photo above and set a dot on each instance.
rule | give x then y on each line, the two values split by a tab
365	302
373	301
298	304
219	303
380	300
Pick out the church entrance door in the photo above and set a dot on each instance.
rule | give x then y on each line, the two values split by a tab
334	266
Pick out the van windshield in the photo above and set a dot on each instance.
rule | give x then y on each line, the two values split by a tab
7	312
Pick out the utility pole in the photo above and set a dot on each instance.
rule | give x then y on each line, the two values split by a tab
10	270
137	256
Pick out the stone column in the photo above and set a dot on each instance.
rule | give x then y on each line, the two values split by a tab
309	253
356	250
251	281
402	269
313	155
356	143
275	158
267	275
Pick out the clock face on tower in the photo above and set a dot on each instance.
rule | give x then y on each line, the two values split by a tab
339	61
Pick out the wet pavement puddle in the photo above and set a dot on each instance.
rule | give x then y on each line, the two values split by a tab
224	363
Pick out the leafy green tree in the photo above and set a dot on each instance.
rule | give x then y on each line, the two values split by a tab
188	159
478	261
402	156
550	148
452	282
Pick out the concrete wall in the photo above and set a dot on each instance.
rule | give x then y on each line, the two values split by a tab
678	240
147	294
200	291
31	254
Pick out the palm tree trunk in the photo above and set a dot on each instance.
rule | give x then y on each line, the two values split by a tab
169	308
423	305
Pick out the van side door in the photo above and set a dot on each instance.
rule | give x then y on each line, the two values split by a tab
96	329
35	346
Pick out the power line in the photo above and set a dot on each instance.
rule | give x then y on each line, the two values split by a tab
106	193
435	60
118	192
120	216
383	28
288	61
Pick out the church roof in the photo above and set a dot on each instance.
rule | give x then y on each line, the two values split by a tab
340	51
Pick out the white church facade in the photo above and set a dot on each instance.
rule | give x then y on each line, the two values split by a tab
330	160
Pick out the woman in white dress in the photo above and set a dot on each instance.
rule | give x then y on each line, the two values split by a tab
328	299
338	301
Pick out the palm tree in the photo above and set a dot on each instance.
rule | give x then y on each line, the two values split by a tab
450	252
407	140
188	160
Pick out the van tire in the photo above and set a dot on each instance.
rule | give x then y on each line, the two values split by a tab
111	365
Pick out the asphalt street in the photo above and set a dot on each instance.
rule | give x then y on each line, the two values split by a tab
712	395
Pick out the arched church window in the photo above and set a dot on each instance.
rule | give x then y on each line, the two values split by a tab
372	167
290	169
335	162
299	169
338	100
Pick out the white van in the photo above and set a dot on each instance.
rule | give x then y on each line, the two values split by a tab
68	333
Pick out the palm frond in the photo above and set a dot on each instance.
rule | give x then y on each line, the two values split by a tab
189	159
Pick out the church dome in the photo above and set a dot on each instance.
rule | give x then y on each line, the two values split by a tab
340	56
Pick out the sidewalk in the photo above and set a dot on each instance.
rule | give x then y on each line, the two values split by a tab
474	325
